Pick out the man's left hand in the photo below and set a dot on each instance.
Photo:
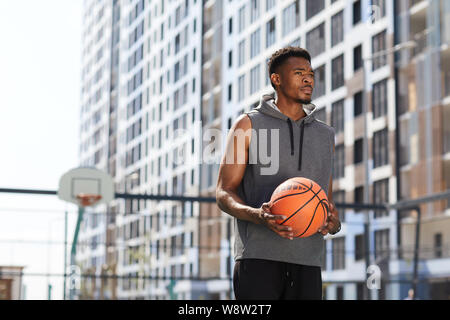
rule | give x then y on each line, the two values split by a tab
333	224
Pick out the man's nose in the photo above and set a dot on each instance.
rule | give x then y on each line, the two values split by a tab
308	79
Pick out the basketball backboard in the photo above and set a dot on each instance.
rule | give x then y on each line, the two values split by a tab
86	181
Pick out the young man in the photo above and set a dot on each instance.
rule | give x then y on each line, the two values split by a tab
270	263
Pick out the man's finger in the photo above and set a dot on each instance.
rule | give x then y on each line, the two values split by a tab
269	216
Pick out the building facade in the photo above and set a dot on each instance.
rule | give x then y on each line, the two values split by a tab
163	81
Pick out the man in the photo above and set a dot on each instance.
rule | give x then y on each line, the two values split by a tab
270	263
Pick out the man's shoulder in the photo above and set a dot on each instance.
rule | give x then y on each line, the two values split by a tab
324	126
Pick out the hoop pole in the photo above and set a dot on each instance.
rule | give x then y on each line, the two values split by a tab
73	250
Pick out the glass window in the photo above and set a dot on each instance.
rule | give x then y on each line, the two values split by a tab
379	99
241	19
241	87
291	17
270	4
339	162
358	103
337	72
380	148
337	28
254	79
357	58
337	116
255	43
254	10
270	32
315	40
338	247
313	7
378	47
356	12
319	82
241	51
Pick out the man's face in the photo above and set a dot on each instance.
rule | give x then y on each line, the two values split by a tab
295	79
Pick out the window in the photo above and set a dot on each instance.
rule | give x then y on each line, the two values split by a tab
230	91
338	247
378	47
358	151
339	293
381	195
337	72
241	87
378	10
319	78
337	116
356	12
359	194
254	79
360	289
230	58
270	32
358	103
339	162
255	43
313	7
380	148
241	51
270	4
382	244
315	40
291	17
437	245
359	247
379	98
241	19
230	26
254	10
357	58
337	28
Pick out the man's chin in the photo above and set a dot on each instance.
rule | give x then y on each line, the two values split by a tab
304	101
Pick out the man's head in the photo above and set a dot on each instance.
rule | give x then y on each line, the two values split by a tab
291	74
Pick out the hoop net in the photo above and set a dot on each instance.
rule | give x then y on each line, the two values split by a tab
88	199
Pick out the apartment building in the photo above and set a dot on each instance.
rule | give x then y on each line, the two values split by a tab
145	57
423	81
161	77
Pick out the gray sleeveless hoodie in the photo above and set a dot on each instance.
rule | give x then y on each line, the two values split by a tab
304	148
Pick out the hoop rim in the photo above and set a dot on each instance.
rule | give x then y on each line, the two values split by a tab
88	199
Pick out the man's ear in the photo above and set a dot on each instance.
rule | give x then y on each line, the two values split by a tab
275	78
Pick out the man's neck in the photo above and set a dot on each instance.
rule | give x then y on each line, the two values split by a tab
291	109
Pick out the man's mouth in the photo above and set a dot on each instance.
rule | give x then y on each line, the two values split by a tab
307	89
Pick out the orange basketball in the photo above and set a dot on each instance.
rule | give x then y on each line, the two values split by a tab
304	204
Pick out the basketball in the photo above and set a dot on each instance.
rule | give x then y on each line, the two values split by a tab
304	204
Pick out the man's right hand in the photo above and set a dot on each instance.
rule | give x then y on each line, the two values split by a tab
265	217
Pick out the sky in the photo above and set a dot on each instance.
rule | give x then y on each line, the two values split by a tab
40	64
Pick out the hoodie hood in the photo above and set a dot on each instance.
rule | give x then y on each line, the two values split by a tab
268	107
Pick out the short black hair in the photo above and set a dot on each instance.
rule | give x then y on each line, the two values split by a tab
281	55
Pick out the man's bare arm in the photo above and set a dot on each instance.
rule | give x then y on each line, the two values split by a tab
231	172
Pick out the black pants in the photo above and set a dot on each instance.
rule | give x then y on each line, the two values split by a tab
256	279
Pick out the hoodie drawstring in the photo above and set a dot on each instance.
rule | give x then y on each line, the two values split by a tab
291	138
291	135
302	129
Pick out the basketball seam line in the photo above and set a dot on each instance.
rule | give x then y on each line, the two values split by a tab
320	203
302	206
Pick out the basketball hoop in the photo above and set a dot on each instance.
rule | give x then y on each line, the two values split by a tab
88	199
